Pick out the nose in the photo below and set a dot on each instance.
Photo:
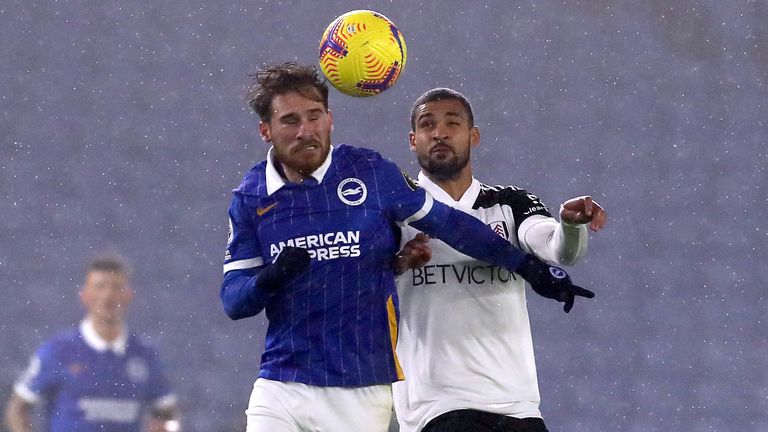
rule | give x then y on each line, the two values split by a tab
305	131
439	133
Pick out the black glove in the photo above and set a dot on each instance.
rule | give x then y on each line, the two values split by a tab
290	263
551	282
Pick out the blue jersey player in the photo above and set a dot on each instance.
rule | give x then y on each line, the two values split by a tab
97	377
312	242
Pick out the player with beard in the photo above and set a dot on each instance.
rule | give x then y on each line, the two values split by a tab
98	376
312	241
474	371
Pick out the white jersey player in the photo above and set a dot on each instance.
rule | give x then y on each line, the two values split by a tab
465	340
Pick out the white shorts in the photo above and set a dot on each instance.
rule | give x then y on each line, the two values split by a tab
294	407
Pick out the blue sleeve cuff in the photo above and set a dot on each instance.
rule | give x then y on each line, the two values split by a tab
240	294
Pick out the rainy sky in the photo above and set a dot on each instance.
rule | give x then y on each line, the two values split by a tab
124	128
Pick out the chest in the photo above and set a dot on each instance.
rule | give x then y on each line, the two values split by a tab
339	219
85	372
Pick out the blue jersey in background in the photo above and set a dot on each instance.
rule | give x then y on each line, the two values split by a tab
89	385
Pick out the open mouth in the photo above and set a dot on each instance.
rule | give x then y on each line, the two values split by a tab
307	147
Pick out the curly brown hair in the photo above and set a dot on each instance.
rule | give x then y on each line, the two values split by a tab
282	78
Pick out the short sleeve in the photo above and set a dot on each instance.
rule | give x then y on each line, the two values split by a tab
160	393
243	247
41	376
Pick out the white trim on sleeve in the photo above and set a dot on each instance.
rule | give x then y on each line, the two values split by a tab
422	211
26	393
243	264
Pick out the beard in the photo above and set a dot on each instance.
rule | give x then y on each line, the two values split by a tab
444	166
290	155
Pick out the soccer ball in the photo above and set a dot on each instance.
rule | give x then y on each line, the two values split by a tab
362	53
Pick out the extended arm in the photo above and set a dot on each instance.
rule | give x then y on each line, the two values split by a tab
472	237
553	241
565	242
467	235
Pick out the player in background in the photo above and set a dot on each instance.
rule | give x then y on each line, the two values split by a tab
99	376
473	369
312	241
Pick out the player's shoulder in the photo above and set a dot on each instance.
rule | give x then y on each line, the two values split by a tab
362	163
60	343
254	181
512	196
353	154
142	345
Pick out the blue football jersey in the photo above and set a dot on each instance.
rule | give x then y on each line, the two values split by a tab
90	390
335	325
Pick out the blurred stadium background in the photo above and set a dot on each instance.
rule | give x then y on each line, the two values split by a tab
124	128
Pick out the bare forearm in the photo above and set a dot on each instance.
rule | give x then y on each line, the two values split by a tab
18	415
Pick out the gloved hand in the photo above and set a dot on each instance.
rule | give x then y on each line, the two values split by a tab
551	282
290	263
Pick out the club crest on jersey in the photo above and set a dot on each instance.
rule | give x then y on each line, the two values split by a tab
76	368
500	228
352	191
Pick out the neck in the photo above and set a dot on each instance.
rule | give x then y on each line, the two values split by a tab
455	187
109	330
294	176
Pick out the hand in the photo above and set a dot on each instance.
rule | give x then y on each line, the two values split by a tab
156	425
583	210
551	282
415	253
290	263
164	419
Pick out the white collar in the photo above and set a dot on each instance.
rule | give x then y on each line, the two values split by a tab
466	201
275	181
93	340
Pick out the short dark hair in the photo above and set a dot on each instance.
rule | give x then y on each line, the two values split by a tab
282	78
441	93
108	264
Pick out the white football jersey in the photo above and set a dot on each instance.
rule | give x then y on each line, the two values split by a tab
465	339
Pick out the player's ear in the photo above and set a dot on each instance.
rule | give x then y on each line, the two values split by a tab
84	298
128	295
265	133
474	136
330	119
86	293
412	140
